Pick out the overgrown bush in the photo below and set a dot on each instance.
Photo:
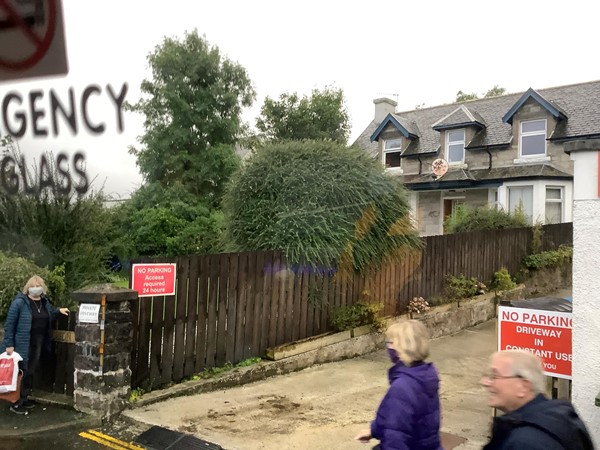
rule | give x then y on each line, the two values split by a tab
460	287
552	258
322	204
502	280
361	313
55	229
466	218
14	273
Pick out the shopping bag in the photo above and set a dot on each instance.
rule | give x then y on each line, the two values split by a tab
14	396
9	372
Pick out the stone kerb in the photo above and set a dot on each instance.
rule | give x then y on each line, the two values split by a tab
102	362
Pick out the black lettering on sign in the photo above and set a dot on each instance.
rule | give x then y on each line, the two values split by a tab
55	174
42	113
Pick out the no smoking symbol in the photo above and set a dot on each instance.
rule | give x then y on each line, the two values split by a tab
22	27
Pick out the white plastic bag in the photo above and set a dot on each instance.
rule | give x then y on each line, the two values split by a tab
9	371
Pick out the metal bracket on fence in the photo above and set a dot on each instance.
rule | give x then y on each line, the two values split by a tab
102	318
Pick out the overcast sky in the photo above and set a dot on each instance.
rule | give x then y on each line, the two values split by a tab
419	52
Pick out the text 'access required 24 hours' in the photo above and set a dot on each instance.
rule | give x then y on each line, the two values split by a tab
154	279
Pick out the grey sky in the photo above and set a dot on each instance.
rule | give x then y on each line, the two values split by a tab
424	51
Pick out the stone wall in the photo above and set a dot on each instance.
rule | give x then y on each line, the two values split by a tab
102	361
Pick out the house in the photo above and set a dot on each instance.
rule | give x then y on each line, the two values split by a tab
505	151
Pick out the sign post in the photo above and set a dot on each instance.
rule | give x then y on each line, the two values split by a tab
547	334
154	279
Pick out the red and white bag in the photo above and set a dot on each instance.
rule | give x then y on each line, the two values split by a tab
9	372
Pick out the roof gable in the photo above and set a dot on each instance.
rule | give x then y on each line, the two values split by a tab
409	130
459	118
553	109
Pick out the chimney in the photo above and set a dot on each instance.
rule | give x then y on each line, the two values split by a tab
383	107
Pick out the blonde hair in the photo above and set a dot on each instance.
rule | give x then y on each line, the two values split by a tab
32	282
410	339
526	365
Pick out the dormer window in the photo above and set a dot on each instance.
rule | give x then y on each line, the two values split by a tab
455	146
391	152
533	138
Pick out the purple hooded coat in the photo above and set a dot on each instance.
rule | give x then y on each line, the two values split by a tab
408	417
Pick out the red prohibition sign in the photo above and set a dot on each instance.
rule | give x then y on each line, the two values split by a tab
42	43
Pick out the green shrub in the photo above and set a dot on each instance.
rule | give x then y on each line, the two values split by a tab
462	287
502	280
552	258
14	273
361	313
466	218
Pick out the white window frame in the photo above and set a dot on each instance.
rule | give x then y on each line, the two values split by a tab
462	161
560	200
531	217
533	133
391	150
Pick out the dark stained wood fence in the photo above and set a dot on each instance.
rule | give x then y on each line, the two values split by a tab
58	374
229	307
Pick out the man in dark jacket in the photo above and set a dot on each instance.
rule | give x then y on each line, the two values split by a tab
515	382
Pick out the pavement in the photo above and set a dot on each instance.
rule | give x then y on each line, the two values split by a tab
325	406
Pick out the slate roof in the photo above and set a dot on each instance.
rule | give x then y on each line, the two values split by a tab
526	171
579	102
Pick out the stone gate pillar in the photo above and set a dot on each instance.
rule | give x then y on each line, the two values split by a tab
103	344
586	280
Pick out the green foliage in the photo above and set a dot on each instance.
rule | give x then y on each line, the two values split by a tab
14	273
76	232
537	238
496	91
171	221
493	92
363	312
502	280
466	218
457	288
553	258
463	96
136	394
323	115
214	372
192	108
321	203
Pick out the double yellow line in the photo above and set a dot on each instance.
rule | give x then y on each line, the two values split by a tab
108	441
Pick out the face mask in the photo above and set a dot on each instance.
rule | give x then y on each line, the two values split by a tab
393	355
36	291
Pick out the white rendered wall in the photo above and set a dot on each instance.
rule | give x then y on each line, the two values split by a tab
586	290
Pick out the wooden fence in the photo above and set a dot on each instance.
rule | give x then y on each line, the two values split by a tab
229	307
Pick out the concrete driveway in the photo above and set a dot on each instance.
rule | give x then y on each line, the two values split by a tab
325	406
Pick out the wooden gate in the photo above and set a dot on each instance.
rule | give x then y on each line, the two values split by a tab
59	371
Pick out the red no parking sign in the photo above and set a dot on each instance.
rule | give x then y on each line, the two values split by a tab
32	40
547	334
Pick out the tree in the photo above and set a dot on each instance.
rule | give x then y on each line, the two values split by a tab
323	115
192	108
464	97
493	92
168	221
321	203
496	91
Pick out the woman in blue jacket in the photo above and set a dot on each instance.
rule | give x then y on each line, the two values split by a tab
27	331
408	417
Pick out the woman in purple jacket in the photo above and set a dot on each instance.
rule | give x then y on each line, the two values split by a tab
408	417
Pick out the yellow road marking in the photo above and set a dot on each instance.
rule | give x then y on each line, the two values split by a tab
109	441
